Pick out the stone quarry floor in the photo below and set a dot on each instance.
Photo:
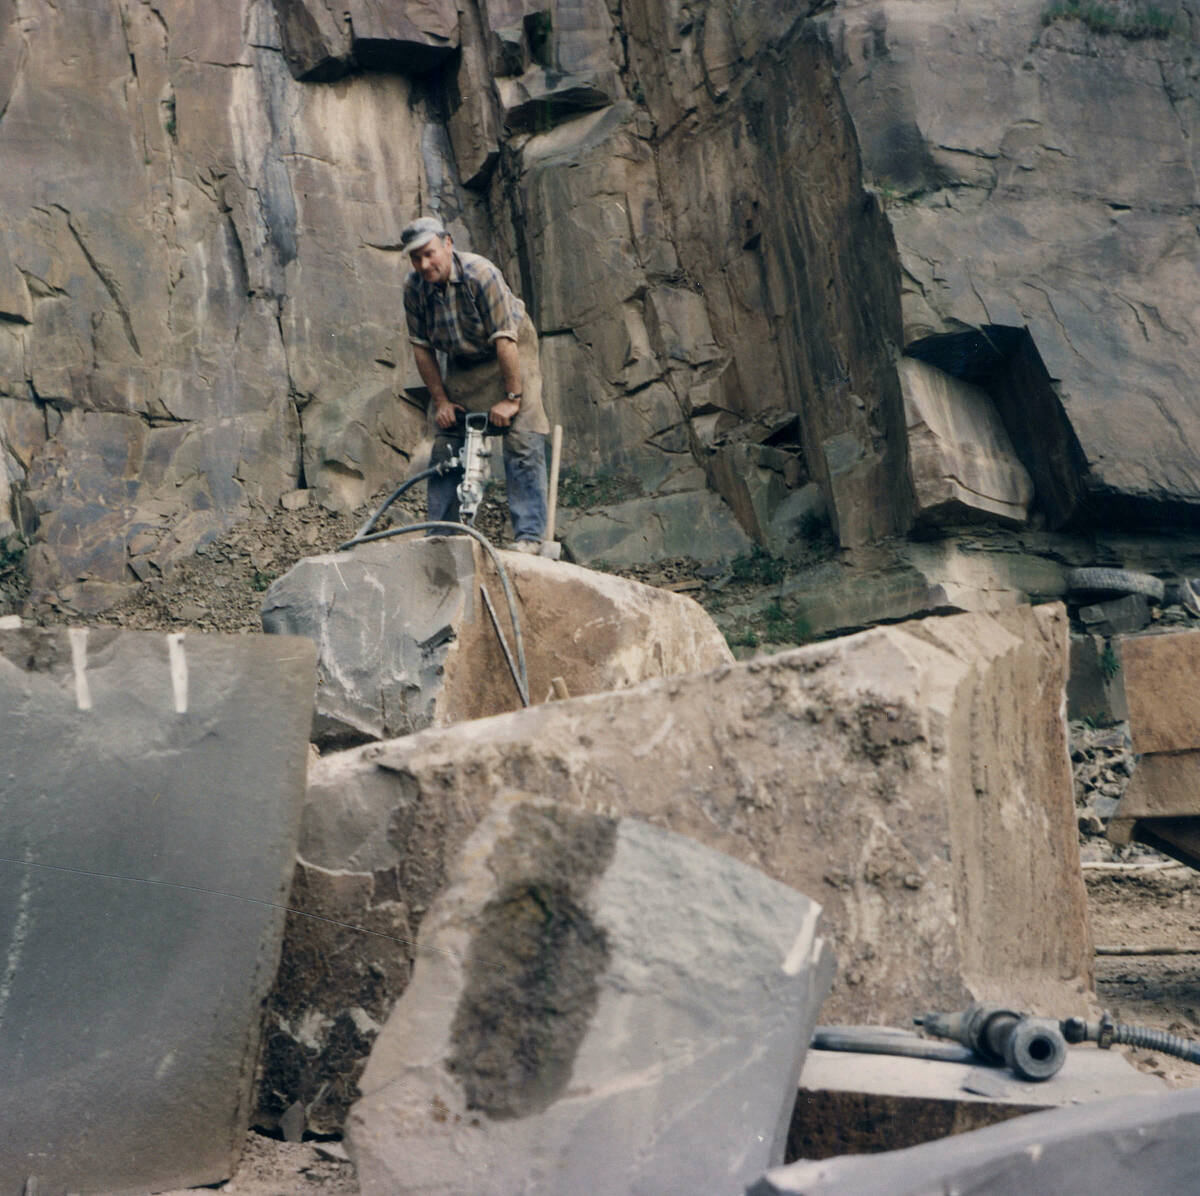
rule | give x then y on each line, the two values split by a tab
1143	902
1137	898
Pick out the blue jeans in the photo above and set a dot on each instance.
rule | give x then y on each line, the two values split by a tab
524	478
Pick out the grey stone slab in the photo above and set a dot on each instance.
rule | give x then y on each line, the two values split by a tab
851	1103
1133	1144
598	1006
150	796
1095	690
1121	616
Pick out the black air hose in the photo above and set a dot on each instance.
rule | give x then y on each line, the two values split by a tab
1106	1032
361	537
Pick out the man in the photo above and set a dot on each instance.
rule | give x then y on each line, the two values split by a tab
459	304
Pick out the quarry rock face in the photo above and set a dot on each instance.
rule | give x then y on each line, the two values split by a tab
598	1005
1047	181
914	777
405	640
149	808
200	275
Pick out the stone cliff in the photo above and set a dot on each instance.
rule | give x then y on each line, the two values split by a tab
728	221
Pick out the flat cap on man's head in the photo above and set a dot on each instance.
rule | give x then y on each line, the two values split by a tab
420	232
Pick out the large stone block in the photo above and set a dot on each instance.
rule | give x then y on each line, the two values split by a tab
413	35
853	1103
882	771
1144	1141
916	777
149	807
1161	805
598	1006
961	460
690	523
405	640
1162	675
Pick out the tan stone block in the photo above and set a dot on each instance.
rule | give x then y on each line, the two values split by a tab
1162	682
961	458
913	778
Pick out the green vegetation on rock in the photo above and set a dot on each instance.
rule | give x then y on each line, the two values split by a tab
600	489
784	628
1134	22
759	567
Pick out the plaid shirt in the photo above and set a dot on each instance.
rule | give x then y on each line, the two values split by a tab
465	315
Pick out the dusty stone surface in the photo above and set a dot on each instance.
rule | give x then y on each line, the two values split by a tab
405	640
268	1167
960	456
597	1005
848	769
1151	904
152	795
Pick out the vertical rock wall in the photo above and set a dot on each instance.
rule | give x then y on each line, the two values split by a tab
200	276
1049	179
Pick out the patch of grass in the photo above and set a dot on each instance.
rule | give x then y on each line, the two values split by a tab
1138	22
891	195
1110	663
12	559
784	628
759	568
262	581
596	490
744	637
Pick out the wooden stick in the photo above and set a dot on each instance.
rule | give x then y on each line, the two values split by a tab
555	461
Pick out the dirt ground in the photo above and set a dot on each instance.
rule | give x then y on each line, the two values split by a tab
1138	899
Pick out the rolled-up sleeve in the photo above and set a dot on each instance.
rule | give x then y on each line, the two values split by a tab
500	310
414	314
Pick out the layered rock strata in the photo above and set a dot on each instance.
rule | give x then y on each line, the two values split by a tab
597	1005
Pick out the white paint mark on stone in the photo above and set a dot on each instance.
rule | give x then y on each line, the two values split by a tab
179	671
805	944
83	694
165	1066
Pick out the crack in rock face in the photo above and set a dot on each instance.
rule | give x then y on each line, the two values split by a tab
535	964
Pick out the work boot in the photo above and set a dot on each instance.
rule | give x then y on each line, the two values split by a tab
533	546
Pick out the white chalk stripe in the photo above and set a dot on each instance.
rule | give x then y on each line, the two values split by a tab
83	694
179	671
